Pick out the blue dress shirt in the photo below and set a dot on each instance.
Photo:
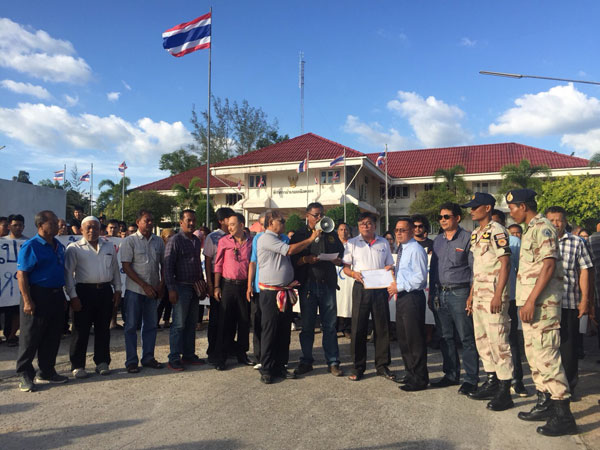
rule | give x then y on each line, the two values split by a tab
411	272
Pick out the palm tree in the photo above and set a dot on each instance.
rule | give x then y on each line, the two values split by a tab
189	197
522	176
113	193
595	160
454	182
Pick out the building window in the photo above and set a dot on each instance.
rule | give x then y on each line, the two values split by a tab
232	199
429	186
330	176
396	192
350	172
362	192
481	187
254	181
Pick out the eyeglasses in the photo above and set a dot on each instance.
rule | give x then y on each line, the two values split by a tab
316	216
366	224
401	230
419	225
445	216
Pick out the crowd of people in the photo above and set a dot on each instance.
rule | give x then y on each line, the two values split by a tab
481	285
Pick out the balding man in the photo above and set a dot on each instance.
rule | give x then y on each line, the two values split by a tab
91	274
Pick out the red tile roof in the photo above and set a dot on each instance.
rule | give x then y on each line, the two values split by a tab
402	164
166	184
474	158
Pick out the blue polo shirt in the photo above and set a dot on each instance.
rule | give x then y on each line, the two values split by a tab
44	264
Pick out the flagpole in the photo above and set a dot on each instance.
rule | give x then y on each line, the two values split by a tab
387	211
344	191
123	194
64	176
208	129
307	156
92	190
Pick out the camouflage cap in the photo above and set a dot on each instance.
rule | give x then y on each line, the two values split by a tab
520	196
480	198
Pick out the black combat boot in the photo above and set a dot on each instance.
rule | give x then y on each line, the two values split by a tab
541	410
561	421
488	389
502	400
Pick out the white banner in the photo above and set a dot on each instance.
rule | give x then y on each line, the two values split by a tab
9	287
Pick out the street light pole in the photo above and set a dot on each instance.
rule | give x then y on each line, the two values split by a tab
518	75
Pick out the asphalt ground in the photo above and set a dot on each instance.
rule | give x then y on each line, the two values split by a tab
202	408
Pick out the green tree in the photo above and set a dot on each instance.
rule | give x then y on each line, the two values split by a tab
454	182
337	214
178	161
428	202
161	206
522	176
22	177
74	197
595	160
293	222
47	182
201	215
271	138
190	196
113	192
579	195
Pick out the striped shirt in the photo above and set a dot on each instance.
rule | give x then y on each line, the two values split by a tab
575	256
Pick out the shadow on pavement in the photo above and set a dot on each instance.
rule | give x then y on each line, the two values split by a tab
212	444
411	445
16	408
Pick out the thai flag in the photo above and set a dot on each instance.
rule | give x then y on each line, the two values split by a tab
122	168
337	161
85	177
239	185
336	176
380	160
261	183
316	180
302	166
59	175
188	37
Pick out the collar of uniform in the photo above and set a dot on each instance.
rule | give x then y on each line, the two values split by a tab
535	218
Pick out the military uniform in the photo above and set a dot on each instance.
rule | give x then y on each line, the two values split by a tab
542	334
488	245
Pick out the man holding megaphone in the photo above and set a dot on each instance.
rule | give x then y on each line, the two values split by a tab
318	284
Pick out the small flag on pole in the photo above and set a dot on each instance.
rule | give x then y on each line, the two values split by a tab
261	183
188	37
59	175
302	166
337	161
85	177
316	180
239	185
380	160
122	168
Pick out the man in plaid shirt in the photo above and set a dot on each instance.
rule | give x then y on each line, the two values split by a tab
576	262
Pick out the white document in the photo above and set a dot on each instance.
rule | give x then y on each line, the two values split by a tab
328	256
377	279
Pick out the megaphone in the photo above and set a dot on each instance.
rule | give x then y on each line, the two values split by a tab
326	225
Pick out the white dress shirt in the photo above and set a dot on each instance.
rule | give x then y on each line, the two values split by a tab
85	264
361	255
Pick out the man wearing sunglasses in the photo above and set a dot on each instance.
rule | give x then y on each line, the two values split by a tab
318	284
421	230
449	287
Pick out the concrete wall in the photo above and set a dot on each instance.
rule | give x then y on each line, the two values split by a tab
28	200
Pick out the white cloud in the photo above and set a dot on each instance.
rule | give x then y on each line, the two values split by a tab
126	85
71	101
560	110
373	134
435	123
113	96
466	42
39	55
26	88
587	143
54	129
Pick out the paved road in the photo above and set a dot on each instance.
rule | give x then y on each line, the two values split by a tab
203	408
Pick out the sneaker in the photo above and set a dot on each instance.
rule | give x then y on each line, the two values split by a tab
176	365
54	379
258	366
102	369
519	389
26	384
80	373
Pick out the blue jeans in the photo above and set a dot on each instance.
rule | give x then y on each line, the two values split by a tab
140	308
450	314
312	295
182	334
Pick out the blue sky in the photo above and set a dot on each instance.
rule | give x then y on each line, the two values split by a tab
84	82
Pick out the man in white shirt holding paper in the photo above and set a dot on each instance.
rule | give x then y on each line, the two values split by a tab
366	252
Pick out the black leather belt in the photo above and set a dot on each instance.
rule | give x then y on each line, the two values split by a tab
229	280
94	285
450	287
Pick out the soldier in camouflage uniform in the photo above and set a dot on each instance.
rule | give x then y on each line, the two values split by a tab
488	302
539	294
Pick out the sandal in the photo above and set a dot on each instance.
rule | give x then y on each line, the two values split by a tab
355	376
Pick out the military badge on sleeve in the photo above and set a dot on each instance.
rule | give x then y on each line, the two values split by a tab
501	240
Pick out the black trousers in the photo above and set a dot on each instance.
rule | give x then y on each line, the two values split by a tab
344	324
96	309
410	332
513	340
569	330
375	303
9	312
213	324
234	317
41	332
164	307
275	334
256	317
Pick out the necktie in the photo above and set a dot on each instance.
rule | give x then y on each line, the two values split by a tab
399	255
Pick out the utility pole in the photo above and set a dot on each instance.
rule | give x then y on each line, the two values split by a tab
301	86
